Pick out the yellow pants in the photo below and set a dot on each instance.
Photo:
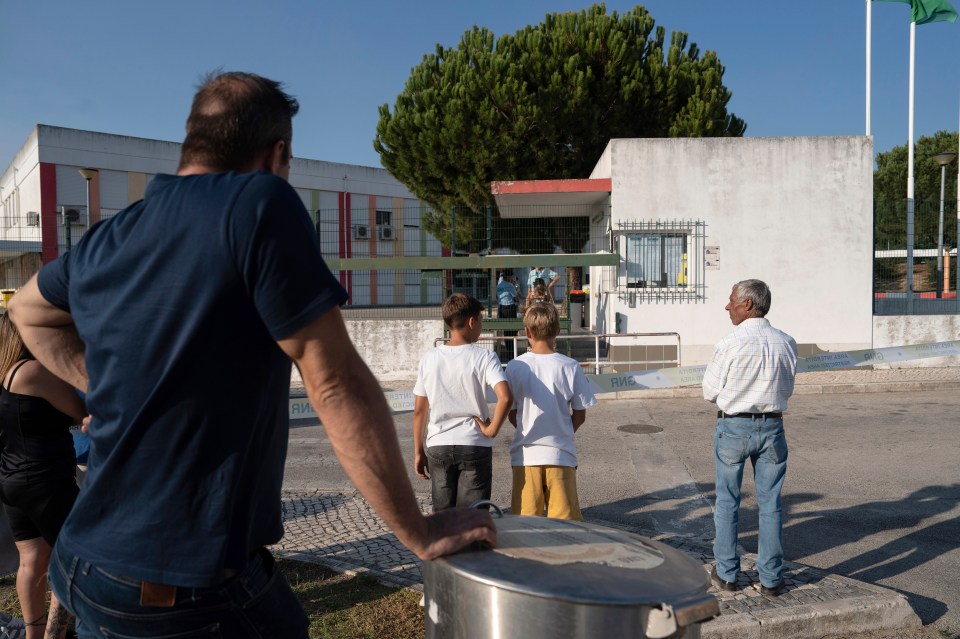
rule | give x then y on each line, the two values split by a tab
550	488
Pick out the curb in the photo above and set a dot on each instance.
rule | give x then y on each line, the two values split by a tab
878	609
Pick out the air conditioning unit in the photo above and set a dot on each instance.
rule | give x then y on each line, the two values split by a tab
33	218
361	232
386	232
71	216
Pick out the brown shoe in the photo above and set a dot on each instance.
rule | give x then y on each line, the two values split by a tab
772	592
729	586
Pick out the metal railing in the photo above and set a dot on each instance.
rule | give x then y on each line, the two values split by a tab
605	356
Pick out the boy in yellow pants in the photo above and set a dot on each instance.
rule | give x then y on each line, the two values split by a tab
551	397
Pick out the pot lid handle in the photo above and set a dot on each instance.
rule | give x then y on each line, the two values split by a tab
487	502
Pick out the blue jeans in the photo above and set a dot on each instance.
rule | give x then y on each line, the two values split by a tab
459	475
254	604
762	441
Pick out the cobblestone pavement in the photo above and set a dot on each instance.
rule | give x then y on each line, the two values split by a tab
341	531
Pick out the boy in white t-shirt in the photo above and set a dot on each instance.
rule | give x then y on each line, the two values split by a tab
551	396
450	448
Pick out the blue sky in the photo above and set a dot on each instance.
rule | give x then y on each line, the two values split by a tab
130	68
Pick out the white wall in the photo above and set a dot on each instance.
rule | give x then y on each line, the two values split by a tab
902	330
392	348
794	212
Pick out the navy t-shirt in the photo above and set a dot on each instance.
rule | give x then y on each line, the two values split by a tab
180	300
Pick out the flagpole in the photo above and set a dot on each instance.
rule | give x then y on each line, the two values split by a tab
869	36
910	202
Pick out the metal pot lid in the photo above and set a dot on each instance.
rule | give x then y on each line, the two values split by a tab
585	563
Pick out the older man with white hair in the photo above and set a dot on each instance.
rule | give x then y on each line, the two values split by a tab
750	378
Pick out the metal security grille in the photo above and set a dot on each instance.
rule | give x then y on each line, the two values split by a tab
662	261
935	278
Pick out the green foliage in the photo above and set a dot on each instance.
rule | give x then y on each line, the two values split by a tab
890	178
890	193
542	104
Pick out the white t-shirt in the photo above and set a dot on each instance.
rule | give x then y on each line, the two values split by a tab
545	389
454	380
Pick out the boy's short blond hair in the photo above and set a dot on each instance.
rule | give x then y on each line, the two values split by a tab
458	308
542	321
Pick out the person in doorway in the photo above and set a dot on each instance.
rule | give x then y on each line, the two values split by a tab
37	473
179	317
551	398
542	273
539	293
452	427
750	378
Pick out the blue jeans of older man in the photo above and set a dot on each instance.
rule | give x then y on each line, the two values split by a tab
762	441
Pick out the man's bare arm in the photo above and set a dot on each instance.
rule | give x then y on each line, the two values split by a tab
50	334
358	421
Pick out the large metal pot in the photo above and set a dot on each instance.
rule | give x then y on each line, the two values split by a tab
551	579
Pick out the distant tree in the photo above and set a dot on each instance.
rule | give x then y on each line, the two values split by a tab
890	192
540	104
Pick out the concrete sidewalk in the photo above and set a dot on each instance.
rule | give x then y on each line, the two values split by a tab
331	524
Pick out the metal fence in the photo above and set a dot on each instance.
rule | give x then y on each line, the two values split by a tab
424	232
600	353
932	270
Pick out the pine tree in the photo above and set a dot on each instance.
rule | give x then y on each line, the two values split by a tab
542	104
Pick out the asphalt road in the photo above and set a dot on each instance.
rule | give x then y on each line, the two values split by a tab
872	488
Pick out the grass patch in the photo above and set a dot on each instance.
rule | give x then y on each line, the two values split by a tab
341	606
353	607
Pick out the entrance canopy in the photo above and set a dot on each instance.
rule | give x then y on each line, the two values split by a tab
559	198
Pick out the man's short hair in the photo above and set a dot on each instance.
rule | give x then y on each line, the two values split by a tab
757	292
542	320
234	119
458	308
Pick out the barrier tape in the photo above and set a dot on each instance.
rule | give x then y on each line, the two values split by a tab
402	401
693	375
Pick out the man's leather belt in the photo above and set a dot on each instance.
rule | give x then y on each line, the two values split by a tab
723	415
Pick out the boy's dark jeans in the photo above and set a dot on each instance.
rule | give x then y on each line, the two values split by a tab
459	475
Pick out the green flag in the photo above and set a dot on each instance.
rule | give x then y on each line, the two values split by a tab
924	11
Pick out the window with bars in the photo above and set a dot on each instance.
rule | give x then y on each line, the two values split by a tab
660	260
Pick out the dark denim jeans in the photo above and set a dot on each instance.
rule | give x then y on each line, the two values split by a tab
762	441
459	475
257	603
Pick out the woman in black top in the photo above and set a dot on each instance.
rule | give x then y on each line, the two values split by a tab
37	470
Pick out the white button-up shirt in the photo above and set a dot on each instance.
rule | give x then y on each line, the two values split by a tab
752	370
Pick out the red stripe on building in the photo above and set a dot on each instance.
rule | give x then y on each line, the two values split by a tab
518	187
372	221
347	231
94	211
341	237
48	212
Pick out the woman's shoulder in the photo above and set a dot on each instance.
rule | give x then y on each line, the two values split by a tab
23	372
31	378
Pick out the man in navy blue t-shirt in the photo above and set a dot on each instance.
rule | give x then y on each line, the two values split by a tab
179	318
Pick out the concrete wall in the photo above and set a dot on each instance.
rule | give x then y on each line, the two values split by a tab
392	348
900	330
794	212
